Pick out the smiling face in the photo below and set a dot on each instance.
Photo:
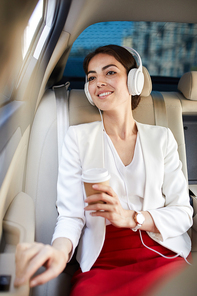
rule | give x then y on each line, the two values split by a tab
107	82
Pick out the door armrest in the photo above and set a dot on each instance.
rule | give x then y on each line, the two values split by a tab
18	227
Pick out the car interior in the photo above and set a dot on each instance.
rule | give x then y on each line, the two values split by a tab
43	102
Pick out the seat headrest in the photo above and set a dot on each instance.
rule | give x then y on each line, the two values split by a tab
188	85
147	83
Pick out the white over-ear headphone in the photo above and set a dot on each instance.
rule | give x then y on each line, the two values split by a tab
135	80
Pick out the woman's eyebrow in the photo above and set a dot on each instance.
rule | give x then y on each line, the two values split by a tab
91	72
104	68
110	65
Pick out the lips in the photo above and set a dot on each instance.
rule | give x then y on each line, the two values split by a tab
104	94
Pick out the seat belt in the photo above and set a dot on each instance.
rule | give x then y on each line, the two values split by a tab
61	95
159	109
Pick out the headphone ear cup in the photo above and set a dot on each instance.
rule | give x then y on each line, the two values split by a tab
88	94
135	81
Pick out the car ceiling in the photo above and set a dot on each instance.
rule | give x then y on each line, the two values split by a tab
86	12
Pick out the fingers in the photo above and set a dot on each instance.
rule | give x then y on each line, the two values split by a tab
112	213
101	204
110	209
107	195
106	210
111	216
37	261
46	276
115	214
29	258
101	198
104	188
24	253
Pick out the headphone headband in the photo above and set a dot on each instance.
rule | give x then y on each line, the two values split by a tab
136	54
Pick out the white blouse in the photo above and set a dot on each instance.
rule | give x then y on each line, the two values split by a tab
128	182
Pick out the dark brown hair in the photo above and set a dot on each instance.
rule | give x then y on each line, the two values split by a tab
122	55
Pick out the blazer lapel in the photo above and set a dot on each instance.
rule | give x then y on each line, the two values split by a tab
92	148
151	165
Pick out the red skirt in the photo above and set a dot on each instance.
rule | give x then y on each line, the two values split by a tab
125	266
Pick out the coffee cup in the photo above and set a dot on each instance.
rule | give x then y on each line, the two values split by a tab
95	176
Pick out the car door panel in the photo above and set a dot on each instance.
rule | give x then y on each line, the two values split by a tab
16	207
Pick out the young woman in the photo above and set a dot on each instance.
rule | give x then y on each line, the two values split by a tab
146	207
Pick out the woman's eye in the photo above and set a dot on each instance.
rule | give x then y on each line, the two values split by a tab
111	72
91	78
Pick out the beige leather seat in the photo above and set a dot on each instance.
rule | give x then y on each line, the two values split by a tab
188	87
42	162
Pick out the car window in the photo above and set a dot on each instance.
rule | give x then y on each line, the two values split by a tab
16	59
166	49
32	27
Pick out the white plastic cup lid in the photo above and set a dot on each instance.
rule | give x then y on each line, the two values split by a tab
95	175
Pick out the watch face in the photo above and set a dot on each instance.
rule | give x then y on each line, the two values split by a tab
140	218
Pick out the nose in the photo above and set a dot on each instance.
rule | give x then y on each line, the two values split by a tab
100	84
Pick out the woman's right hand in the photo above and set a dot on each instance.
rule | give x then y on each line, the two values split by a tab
30	257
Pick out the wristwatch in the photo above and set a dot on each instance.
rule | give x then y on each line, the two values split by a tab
139	220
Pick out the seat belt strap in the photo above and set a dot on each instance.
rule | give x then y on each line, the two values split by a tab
61	95
159	109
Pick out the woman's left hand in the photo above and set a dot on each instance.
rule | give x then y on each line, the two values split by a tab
111	208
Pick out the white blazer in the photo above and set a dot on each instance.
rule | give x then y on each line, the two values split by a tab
166	192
